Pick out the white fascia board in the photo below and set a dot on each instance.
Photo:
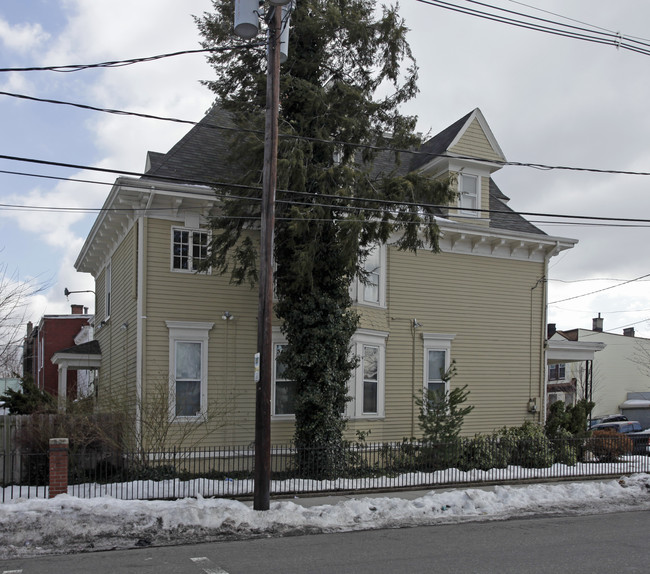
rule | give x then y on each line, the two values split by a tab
139	194
77	360
571	351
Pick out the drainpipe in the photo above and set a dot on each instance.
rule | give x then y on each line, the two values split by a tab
140	317
542	354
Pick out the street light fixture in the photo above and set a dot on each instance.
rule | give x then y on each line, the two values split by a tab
67	292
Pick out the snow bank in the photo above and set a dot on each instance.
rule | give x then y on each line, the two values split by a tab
69	524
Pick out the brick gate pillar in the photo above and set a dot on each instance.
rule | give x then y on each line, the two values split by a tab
58	467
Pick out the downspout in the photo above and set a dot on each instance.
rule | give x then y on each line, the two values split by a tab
543	346
139	334
413	325
140	314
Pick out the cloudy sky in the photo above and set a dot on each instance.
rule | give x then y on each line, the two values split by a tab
549	100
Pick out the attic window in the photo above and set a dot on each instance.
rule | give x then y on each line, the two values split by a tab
189	248
468	193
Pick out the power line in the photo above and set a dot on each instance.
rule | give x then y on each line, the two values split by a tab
291	196
545	25
540	166
571	19
129	62
599	290
586	280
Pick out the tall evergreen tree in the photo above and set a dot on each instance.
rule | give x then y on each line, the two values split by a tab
331	206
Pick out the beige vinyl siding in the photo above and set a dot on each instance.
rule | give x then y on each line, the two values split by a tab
116	387
474	143
486	303
174	296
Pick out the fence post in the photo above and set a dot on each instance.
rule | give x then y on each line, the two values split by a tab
58	467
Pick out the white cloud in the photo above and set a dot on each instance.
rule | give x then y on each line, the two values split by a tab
22	37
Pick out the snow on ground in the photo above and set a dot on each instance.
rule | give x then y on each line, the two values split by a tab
69	524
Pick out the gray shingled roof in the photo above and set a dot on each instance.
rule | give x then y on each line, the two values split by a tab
502	217
204	155
89	348
438	144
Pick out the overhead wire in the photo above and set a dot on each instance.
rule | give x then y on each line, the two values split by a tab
292	195
600	290
67	68
547	26
202	124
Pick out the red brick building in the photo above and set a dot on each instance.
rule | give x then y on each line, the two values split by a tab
53	334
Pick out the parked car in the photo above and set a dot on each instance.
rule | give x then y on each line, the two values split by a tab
606	419
640	437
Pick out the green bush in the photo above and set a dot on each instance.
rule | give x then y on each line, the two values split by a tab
481	452
527	446
565	448
401	458
440	456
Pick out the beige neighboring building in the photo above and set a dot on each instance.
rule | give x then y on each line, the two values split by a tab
481	302
621	370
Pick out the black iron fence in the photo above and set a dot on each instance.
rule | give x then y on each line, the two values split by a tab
228	472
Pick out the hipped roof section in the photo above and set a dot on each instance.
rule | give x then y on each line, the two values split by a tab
203	158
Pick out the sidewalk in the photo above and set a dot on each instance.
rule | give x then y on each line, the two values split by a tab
308	500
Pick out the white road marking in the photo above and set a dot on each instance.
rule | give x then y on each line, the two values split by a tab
207	565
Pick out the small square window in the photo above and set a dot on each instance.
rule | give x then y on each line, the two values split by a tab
189	248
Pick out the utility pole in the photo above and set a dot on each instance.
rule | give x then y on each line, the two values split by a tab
262	475
247	27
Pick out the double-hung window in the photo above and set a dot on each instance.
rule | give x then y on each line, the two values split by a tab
372	289
469	193
437	360
189	248
557	372
372	267
367	387
284	389
188	367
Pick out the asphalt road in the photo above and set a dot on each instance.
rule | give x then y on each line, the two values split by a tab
572	544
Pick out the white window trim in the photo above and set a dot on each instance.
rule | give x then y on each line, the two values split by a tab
470	213
436	342
277	338
354	407
190	230
188	331
358	286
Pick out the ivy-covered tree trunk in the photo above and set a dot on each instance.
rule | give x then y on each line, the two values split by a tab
334	204
318	323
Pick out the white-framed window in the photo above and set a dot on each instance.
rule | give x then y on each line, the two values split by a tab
372	291
437	360
557	372
469	193
108	292
189	248
188	368
283	390
367	386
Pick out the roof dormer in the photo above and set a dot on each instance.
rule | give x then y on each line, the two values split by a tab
469	153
